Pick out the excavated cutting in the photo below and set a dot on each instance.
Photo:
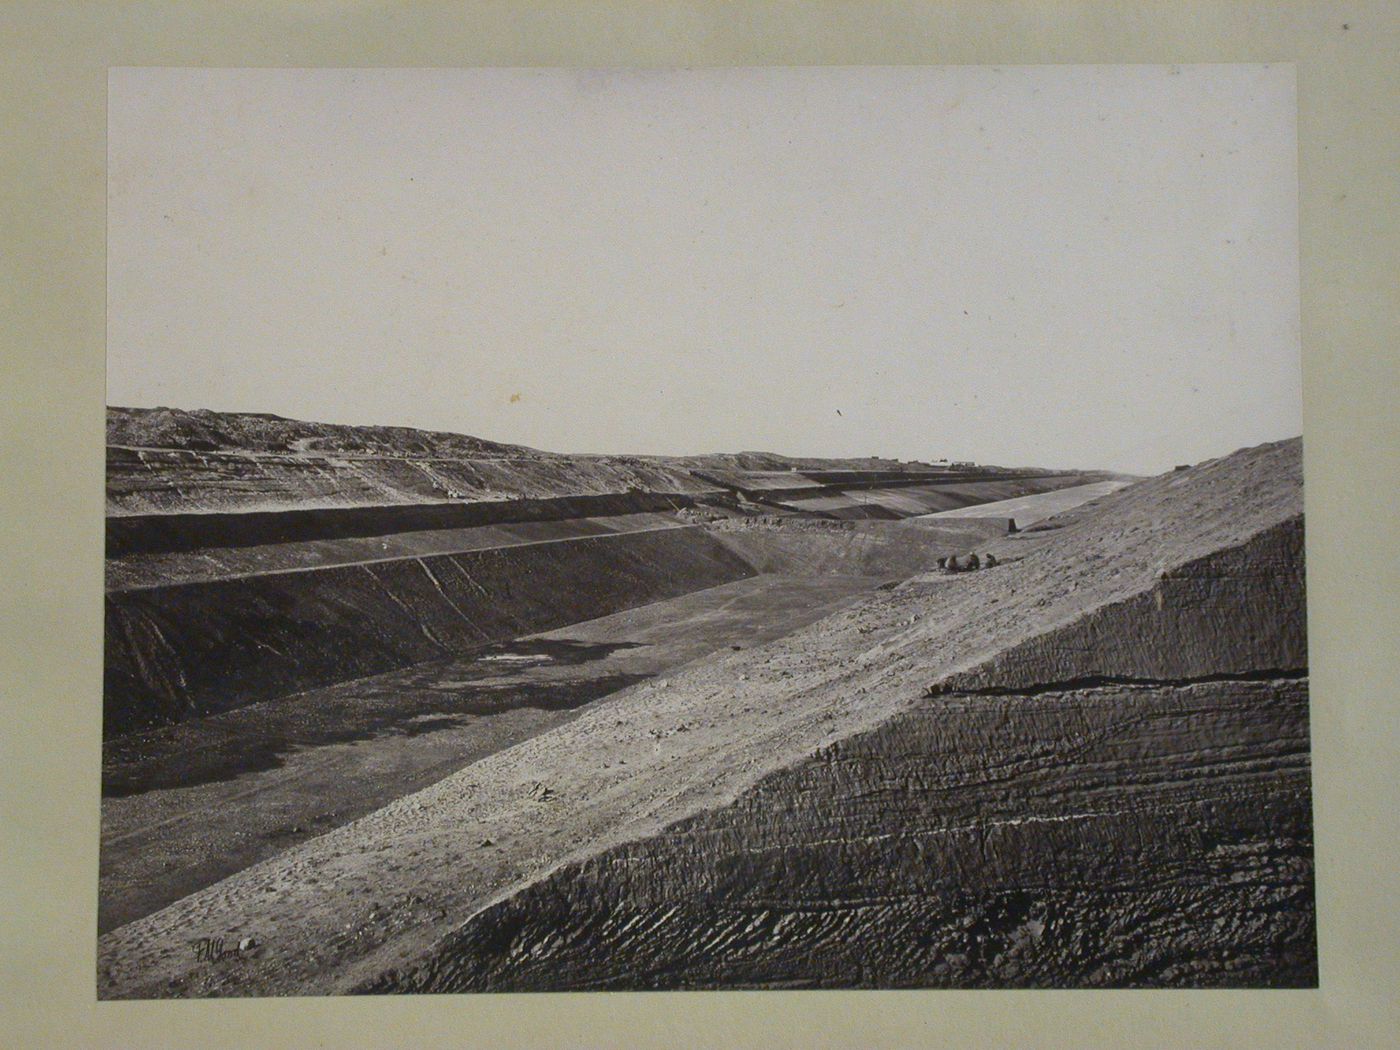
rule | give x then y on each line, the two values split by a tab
1121	836
1025	825
194	649
1240	611
1042	774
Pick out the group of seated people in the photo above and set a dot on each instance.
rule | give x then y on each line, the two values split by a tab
952	563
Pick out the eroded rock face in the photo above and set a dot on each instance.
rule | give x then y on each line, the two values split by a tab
1121	836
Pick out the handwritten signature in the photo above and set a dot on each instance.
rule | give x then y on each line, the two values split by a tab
213	949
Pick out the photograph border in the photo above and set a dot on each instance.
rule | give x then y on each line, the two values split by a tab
54	105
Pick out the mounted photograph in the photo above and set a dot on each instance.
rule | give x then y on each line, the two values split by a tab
700	529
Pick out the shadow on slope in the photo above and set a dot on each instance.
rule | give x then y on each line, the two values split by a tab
431	696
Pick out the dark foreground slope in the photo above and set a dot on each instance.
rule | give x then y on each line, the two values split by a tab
853	805
1122	802
190	804
184	650
1111	836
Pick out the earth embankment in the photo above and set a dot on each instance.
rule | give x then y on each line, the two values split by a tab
1105	837
251	557
179	651
164	481
1239	612
893	550
885	501
1029	509
1070	832
1120	802
171	532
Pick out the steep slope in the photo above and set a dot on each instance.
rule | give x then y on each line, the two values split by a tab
1123	801
251	556
1154	831
1114	836
1239	612
188	649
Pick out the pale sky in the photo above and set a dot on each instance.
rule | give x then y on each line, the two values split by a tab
1057	266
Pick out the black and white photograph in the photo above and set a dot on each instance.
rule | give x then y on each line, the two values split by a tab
760	528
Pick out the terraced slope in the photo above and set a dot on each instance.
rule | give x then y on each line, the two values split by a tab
162	461
166	461
837	808
893	550
250	556
162	481
888	503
